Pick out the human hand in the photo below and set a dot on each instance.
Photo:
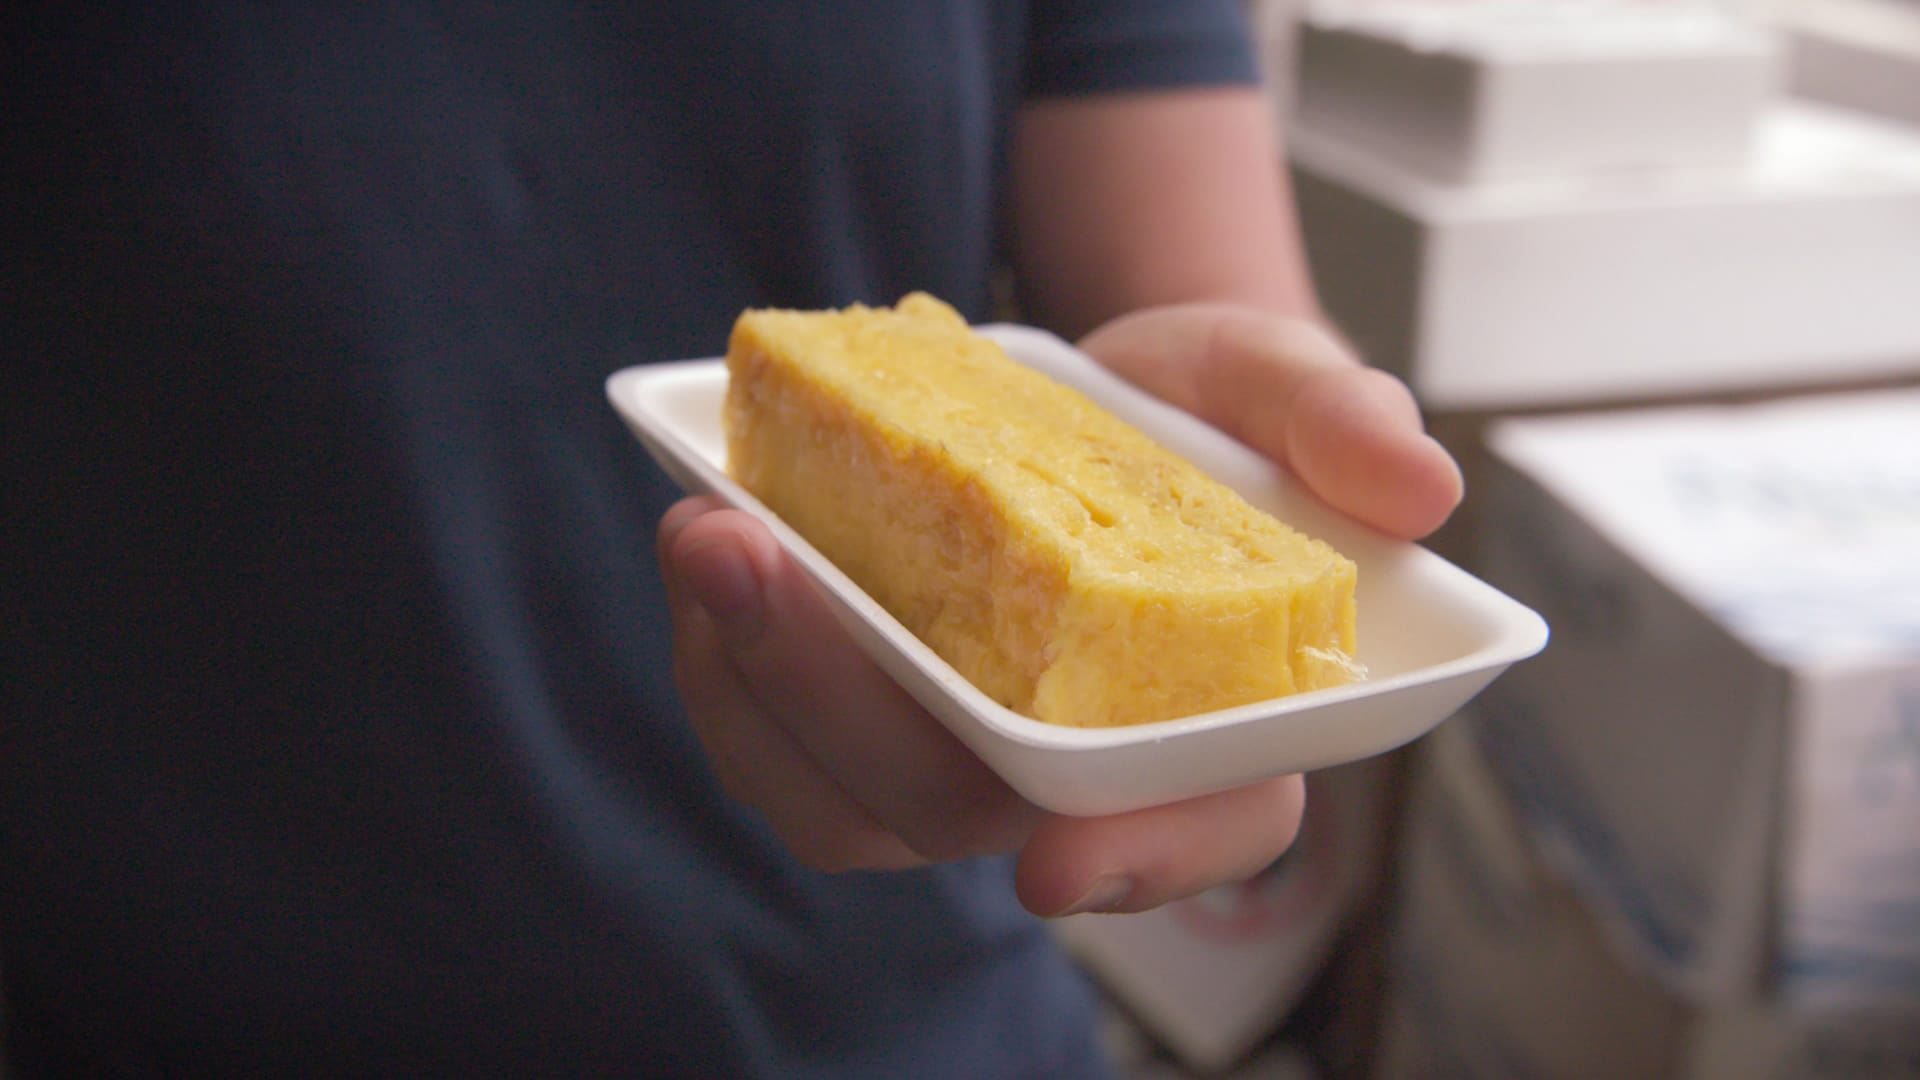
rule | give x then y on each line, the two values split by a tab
851	773
1291	390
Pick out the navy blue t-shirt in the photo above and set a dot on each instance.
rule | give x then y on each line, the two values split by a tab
337	733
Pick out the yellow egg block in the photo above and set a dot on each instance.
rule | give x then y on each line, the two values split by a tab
1067	565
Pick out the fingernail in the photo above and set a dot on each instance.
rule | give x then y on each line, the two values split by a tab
726	585
1105	894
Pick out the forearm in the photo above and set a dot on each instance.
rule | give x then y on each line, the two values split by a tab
1139	200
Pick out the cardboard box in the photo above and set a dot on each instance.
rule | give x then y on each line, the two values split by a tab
1799	268
1500	971
1212	976
1474	92
1495	969
1721	747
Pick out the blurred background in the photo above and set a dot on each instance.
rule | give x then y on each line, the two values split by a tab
1652	268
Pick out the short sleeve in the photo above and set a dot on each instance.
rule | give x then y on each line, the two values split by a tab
1100	46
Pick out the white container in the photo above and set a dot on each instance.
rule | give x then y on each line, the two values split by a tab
1722	746
1470	92
1801	267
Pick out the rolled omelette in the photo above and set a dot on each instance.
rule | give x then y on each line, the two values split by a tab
1059	559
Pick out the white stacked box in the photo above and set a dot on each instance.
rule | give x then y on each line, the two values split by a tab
1527	203
1800	267
1512	89
1861	54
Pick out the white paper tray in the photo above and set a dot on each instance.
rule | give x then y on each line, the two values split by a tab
1431	636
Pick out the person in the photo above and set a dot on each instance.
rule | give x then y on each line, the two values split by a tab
372	706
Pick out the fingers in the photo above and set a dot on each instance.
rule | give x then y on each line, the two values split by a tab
1292	390
1228	364
1353	435
1140	860
755	760
780	681
851	773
